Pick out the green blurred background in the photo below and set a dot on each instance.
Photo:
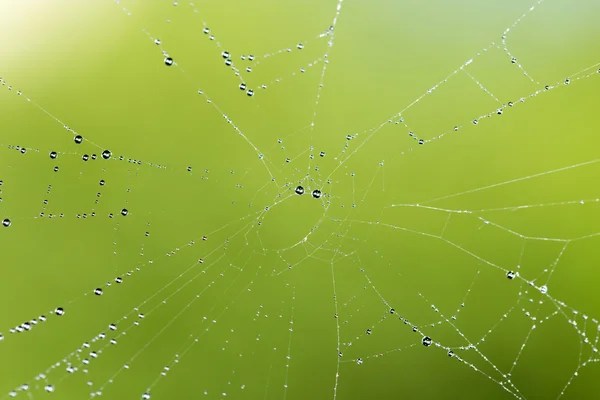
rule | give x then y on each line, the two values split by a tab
289	284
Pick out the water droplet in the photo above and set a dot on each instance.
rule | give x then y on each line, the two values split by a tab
106	154
102	182
59	311
85	157
124	212
368	332
242	86
78	139
49	388
98	292
543	289
6	223
300	46
359	361
316	193
250	92
225	54
511	274
206	31
146	396
299	190
427	341
112	327
168	61
157	41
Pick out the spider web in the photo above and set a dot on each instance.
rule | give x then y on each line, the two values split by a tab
374	201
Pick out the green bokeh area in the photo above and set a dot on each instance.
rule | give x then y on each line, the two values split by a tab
220	280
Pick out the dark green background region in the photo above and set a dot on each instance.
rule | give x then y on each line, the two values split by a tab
452	143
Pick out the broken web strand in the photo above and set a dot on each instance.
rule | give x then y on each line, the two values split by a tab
504	44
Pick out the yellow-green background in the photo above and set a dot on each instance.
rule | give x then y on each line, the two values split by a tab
94	66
